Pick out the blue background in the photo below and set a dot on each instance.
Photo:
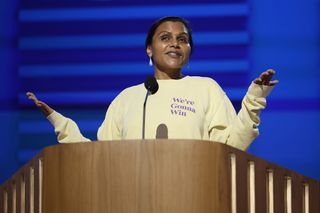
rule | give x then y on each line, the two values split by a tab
77	55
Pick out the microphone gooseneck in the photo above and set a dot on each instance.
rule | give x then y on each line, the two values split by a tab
152	87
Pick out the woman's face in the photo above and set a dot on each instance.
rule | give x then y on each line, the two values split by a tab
170	48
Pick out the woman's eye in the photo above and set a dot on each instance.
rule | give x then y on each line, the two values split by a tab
164	38
183	39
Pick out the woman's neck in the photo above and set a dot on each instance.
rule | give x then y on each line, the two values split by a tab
160	75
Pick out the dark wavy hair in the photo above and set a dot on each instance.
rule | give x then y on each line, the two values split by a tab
156	24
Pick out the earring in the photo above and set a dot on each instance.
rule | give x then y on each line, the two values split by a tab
150	62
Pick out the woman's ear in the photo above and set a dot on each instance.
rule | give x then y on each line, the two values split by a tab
149	51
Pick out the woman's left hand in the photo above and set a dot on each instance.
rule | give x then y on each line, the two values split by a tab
265	78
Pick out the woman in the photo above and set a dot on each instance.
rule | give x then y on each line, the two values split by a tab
189	107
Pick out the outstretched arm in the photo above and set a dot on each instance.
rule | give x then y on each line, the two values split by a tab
67	130
245	128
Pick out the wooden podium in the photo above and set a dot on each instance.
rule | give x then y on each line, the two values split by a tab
155	176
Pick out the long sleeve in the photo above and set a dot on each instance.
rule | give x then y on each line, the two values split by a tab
239	130
245	126
67	130
110	128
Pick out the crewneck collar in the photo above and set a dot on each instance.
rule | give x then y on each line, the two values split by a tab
173	80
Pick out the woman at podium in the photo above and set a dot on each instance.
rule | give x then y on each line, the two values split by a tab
187	107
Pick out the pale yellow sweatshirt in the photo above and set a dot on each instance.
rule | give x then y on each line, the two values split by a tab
190	108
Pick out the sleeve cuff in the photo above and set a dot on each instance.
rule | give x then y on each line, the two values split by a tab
55	118
259	91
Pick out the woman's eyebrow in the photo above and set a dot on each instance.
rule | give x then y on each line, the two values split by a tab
159	33
183	33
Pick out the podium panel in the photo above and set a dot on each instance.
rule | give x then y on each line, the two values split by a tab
155	176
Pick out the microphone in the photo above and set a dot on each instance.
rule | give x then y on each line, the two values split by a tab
152	87
151	84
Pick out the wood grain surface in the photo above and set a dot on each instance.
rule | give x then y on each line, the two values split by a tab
151	176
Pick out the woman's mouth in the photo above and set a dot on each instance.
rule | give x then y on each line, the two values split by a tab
174	54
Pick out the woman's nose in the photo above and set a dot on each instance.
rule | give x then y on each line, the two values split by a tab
175	43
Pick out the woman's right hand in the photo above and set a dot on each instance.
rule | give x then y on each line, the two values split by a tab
40	104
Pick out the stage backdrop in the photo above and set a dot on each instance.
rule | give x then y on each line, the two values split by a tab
78	55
